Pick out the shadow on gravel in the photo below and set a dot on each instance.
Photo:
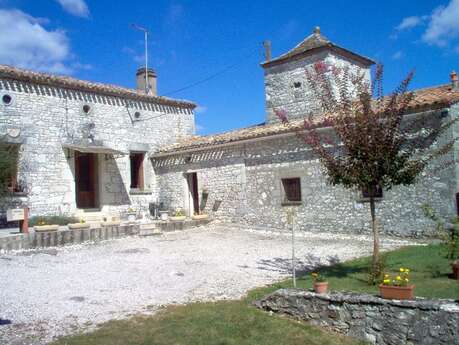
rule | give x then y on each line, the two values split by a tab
303	264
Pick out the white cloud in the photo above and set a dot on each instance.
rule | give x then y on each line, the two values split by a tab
200	109
75	7
25	43
410	22
443	25
397	55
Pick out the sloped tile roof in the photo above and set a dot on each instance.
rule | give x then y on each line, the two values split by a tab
424	99
23	75
311	44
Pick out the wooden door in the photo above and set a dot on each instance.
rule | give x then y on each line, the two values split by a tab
86	180
193	190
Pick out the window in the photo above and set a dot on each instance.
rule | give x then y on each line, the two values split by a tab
7	99
136	160
86	108
366	193
291	191
12	176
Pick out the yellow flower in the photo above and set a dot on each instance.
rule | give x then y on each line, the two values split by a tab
314	274
386	276
398	278
407	280
407	270
402	270
386	281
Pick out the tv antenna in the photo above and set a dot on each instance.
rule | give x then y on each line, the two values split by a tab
145	31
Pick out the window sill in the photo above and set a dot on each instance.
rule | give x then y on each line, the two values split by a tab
18	194
140	191
292	203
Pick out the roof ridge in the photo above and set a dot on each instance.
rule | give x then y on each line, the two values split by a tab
18	73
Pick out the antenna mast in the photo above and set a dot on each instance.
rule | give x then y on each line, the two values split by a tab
145	31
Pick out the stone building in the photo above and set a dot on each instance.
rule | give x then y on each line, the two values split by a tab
93	146
253	175
85	145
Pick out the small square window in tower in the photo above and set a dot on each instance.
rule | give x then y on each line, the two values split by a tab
291	191
137	176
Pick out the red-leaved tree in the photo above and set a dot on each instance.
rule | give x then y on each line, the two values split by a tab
365	140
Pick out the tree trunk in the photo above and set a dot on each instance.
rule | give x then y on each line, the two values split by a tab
375	229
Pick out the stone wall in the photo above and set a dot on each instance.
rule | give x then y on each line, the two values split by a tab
286	86
48	117
370	318
244	181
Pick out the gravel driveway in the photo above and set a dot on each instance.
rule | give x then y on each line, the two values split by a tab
46	293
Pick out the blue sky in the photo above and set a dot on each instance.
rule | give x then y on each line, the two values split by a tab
191	40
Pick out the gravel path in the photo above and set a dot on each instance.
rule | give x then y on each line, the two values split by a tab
51	292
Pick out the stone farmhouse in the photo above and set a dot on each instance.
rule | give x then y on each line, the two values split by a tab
92	146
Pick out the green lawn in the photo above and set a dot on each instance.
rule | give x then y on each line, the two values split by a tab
222	323
238	322
428	266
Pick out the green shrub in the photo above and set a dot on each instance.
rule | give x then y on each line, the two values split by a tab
52	220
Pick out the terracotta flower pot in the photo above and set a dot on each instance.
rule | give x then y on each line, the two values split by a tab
321	287
396	292
455	267
45	228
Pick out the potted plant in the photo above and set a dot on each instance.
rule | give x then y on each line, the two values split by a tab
132	215
81	225
179	215
114	221
397	288
320	283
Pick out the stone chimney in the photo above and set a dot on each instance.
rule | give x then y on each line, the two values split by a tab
141	81
454	81
267	45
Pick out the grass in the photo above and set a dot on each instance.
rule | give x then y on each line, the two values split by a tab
429	273
220	323
237	322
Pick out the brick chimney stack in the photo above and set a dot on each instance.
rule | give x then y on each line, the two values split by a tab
141	81
454	81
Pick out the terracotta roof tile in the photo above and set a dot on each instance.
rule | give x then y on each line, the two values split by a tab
19	74
424	99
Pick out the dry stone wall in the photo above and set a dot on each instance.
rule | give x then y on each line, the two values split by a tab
370	318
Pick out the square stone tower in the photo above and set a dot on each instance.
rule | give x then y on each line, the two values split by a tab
286	85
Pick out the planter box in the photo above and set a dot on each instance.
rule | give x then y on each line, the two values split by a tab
321	287
76	226
396	292
178	218
200	216
45	228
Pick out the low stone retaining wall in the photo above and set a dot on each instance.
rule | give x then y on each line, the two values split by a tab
74	236
370	318
181	224
63	237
